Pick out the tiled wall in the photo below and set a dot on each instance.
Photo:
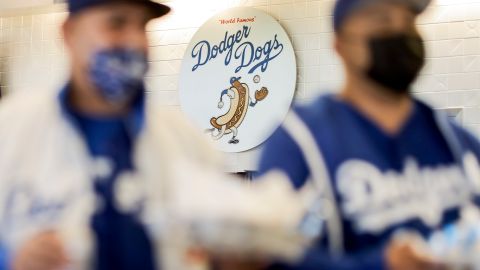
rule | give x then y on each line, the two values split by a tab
31	52
32	56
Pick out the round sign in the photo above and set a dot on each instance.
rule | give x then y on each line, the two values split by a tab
238	78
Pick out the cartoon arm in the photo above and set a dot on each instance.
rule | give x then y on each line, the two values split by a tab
227	92
259	96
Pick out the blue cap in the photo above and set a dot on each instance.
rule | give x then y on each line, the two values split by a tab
157	9
344	8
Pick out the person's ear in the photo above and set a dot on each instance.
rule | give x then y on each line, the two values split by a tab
344	51
338	46
67	29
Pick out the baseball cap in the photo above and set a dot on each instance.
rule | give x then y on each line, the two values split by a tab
157	9
344	8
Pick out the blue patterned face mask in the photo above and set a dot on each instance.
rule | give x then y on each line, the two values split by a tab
118	73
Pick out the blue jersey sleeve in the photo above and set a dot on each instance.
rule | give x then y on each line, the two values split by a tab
469	141
318	258
4	258
282	153
471	144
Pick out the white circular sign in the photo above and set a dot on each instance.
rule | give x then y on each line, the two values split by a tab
238	78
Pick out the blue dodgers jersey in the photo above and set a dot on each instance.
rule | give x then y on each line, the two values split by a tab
381	182
121	240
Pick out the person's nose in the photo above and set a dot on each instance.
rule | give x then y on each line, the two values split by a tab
136	38
401	24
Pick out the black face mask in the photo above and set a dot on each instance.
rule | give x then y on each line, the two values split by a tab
396	61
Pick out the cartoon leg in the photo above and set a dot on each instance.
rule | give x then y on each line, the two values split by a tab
234	139
220	133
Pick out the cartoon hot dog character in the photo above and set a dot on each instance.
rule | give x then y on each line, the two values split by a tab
240	100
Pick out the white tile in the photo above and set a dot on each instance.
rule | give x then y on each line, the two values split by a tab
169	52
27	21
431	83
300	91
439	65
51	32
300	75
455	64
459	30
446	48
314	9
326	7
437	100
162	83
428	31
300	57
472	46
299	42
313	74
6	23
471	116
471	98
17	22
313	42
427	68
326	41
464	81
432	15
471	63
162	68
165	98
441	31
311	58
456	99
26	34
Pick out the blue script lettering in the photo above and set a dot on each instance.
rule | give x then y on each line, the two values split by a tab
24	205
260	56
204	52
247	54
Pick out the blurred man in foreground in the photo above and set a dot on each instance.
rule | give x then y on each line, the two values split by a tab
64	155
380	160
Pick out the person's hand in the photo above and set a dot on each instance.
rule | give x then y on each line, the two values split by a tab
42	252
223	261
401	255
238	264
